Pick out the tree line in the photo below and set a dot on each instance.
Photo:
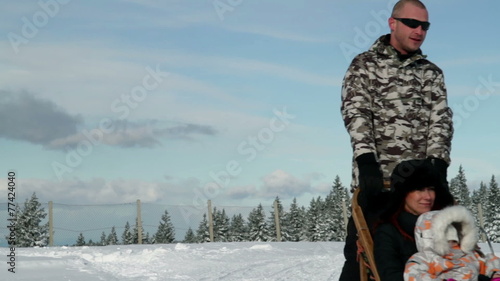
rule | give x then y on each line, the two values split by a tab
322	220
487	196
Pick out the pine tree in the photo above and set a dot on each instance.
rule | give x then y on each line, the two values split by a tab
202	233
315	221
190	237
103	241
146	239
221	226
112	238
294	222
483	194
127	236
29	230
272	223
479	197
492	212
459	189
165	233
335	202
80	241
237	229
257	225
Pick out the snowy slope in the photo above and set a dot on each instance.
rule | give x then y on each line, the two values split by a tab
208	261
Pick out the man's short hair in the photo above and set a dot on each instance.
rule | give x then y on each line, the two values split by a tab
401	3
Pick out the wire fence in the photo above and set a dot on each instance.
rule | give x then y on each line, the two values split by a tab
69	221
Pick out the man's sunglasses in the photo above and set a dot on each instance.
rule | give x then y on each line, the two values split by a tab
412	23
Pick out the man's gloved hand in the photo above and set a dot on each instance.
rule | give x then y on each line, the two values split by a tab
442	169
370	177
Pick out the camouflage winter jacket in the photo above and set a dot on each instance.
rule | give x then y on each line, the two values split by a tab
395	108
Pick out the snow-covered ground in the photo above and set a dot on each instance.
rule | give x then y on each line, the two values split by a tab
208	261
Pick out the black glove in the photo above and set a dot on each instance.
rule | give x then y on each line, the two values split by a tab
482	277
441	168
370	178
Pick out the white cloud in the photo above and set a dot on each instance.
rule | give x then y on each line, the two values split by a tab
89	76
242	192
288	35
102	191
35	120
283	184
42	122
132	135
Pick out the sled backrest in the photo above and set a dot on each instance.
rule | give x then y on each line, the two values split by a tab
366	258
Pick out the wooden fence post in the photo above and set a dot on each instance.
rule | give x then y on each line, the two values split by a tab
344	212
210	221
277	221
51	224
139	222
481	220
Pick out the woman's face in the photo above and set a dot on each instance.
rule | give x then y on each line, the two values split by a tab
420	201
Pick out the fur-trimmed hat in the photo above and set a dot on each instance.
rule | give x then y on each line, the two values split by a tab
412	175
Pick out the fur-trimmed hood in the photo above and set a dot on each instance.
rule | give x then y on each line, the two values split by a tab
430	230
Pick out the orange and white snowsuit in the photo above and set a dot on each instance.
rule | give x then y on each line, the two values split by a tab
436	260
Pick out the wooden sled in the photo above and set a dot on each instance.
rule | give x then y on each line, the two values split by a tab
368	269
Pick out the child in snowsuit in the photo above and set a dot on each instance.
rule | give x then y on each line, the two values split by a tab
447	249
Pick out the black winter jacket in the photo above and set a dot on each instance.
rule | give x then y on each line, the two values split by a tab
392	249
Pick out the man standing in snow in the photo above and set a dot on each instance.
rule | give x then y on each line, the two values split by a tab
394	107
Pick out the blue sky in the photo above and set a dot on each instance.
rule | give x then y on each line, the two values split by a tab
178	102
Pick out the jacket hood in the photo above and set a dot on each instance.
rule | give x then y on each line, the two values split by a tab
431	230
